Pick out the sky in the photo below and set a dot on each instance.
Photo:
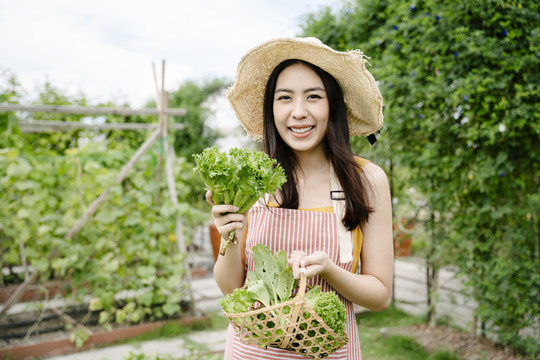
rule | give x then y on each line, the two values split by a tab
105	48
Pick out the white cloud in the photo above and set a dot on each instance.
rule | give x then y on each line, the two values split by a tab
105	48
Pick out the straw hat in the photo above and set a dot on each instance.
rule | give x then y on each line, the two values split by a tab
362	95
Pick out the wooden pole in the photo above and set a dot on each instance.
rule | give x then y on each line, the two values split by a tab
163	100
89	110
34	126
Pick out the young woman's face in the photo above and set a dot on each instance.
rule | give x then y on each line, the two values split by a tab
301	108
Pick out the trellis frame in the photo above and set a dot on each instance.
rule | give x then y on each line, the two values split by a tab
161	132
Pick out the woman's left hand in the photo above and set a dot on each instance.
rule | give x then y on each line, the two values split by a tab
317	263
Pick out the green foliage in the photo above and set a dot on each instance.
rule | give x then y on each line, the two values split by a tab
239	176
375	345
79	337
194	97
57	142
328	306
271	283
239	301
274	273
128	247
10	93
462	119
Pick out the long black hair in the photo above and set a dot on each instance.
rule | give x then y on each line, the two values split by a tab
337	146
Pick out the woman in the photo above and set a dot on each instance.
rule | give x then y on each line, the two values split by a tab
304	100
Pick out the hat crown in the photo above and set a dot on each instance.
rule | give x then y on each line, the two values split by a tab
361	93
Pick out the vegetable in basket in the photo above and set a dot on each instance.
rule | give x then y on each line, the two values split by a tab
272	282
238	177
328	306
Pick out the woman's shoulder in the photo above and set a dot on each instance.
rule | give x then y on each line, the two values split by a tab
361	161
371	170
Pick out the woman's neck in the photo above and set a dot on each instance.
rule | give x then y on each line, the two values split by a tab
313	181
312	163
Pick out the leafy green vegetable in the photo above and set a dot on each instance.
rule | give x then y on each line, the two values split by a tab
274	272
328	306
238	177
240	300
272	282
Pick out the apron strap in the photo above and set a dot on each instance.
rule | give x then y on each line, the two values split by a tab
338	202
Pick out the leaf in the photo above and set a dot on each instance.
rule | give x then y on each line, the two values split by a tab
282	260
145	298
171	308
266	268
146	271
285	284
259	292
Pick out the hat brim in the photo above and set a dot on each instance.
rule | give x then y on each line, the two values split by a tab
362	95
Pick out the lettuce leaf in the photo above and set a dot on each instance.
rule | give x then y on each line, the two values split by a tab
238	177
328	306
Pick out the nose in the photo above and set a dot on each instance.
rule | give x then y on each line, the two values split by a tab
299	110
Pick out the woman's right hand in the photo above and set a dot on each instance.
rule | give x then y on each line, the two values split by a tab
225	217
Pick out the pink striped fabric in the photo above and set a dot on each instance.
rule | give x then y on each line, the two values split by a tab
289	230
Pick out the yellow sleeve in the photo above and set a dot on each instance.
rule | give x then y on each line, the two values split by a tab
357	235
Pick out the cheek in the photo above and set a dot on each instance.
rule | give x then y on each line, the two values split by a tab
280	114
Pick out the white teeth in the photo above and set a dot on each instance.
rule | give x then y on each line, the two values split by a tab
301	130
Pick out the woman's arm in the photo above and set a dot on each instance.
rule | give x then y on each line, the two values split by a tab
229	269
372	288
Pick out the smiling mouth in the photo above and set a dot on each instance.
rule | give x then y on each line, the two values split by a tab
301	130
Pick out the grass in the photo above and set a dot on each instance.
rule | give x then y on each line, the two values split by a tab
375	346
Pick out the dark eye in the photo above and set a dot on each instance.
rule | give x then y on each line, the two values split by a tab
314	96
283	97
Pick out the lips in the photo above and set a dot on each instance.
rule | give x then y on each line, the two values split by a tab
301	130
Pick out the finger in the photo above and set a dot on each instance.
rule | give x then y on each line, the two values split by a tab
224	210
315	263
208	197
231	218
226	229
293	257
296	264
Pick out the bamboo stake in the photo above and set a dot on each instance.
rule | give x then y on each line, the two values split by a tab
163	99
55	125
88	110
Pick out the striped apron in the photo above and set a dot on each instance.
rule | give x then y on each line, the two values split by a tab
289	230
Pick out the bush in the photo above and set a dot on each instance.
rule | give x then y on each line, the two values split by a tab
128	245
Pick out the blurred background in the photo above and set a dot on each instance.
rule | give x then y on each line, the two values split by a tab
103	104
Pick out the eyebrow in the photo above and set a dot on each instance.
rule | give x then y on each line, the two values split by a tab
316	88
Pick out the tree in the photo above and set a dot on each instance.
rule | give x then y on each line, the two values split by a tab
194	97
462	116
10	93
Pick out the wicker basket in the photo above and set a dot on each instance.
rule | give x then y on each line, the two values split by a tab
291	325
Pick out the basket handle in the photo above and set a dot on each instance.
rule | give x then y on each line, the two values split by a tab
303	283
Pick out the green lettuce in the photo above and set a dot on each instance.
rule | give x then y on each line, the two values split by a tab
238	177
328	306
272	282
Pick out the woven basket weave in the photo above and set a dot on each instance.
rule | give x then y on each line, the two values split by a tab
291	325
